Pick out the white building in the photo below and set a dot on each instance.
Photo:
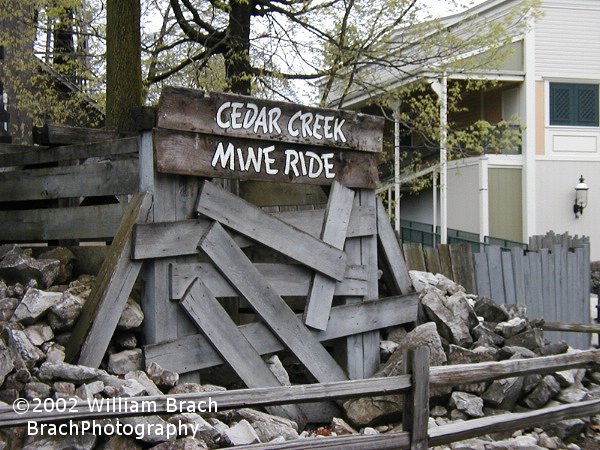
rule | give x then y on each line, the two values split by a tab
551	81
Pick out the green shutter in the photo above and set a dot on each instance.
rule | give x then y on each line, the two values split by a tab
574	104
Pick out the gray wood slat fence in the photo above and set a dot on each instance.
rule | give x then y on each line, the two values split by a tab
67	192
552	278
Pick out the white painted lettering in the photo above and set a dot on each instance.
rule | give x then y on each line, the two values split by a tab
220	122
327	165
236	114
337	130
327	127
274	115
291	162
317	126
303	163
268	160
224	156
261	121
291	127
250	115
253	158
306	120
315	165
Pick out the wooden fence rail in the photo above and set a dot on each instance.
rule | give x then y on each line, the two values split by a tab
415	384
67	192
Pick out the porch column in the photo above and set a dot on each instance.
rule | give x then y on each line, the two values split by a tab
396	106
441	89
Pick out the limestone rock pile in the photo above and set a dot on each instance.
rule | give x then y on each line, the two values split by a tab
461	328
39	305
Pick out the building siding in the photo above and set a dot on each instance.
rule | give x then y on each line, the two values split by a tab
567	38
505	210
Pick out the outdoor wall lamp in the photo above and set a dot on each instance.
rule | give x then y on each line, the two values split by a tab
581	197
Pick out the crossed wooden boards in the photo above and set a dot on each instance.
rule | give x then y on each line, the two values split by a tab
232	273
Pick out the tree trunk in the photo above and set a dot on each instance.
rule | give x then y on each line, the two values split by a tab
123	63
237	58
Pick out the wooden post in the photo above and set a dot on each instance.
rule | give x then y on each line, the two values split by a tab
415	417
174	198
337	218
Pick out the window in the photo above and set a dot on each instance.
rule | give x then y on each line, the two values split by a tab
574	104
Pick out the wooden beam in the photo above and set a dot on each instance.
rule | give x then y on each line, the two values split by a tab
195	352
82	222
98	320
166	239
110	178
190	110
415	418
457	431
210	317
235	213
288	280
571	327
44	155
387	441
251	285
224	400
391	253
208	155
322	289
62	134
415	258
474	373
462	266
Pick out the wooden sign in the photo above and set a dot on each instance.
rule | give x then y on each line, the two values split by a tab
233	136
249	117
248	159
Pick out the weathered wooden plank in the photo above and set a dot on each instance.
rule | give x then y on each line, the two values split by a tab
166	239
547	268
415	418
474	373
194	352
351	350
482	277
252	222
285	279
223	400
509	279
388	441
43	155
6	148
571	327
445	261
535	292
494	255
109	178
518	273
84	222
206	155
462	266
97	322
391	256
311	221
372	339
62	134
187	109
415	259
251	285
322	289
510	422
432	260
206	312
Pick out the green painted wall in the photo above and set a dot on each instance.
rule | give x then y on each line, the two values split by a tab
505	203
